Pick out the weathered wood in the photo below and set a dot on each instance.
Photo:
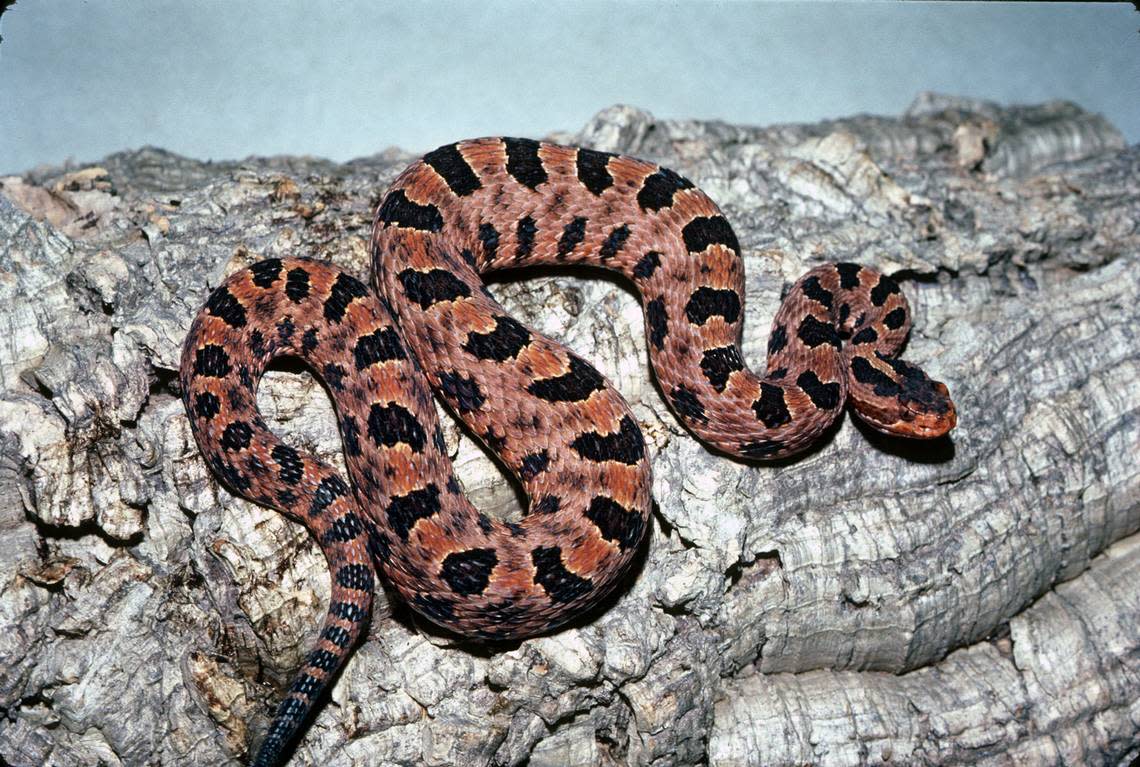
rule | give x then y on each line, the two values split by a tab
974	600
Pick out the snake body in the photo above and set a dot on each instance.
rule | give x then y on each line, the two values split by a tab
552	419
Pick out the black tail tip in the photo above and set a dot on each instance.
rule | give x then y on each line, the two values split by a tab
290	714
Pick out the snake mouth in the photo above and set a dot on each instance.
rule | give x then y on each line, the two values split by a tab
929	425
914	423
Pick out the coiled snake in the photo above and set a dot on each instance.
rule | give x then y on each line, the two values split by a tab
552	419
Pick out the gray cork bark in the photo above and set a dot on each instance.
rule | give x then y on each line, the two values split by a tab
969	601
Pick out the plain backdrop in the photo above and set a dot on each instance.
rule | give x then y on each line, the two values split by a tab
222	80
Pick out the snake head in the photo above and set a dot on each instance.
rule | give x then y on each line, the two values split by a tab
898	398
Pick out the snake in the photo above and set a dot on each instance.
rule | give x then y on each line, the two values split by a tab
428	323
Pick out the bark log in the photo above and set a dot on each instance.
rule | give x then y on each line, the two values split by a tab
973	600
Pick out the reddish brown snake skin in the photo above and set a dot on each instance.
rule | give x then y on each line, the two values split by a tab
552	419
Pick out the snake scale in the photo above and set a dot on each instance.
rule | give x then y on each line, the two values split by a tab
553	420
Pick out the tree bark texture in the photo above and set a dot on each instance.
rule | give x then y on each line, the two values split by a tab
974	600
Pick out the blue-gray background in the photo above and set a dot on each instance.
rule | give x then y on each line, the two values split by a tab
224	80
